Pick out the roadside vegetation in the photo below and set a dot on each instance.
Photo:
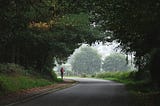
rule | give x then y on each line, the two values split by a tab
14	78
10	84
143	91
34	33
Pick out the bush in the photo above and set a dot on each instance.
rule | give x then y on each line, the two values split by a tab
140	75
54	76
117	75
11	68
83	75
93	75
59	80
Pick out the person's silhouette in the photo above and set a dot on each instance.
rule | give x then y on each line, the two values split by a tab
62	72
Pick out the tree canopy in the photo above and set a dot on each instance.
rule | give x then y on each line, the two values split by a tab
33	32
87	61
115	62
135	25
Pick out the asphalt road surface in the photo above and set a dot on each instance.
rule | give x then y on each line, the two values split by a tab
88	92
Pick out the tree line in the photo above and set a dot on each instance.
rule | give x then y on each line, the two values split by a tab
87	60
135	25
34	32
27	25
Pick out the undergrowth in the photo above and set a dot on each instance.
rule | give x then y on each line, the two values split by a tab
10	84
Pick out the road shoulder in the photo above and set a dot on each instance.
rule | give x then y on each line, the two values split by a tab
29	94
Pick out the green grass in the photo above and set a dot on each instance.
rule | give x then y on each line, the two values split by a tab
59	80
128	80
10	84
123	77
144	94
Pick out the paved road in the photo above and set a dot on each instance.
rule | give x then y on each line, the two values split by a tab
89	92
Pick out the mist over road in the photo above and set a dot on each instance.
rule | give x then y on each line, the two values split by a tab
88	92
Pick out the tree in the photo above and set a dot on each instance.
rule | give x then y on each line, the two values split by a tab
33	32
87	61
135	25
115	62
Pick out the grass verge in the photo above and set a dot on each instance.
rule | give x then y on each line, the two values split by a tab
144	94
10	84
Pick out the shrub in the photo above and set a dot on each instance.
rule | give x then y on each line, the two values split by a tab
118	75
11	68
54	76
93	75
140	75
59	80
83	75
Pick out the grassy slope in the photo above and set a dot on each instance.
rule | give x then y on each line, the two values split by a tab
10	84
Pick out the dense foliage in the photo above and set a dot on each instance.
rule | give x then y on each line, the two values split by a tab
135	25
33	32
86	61
115	62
